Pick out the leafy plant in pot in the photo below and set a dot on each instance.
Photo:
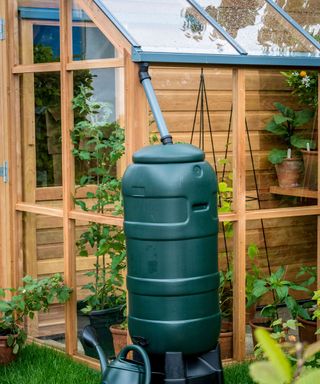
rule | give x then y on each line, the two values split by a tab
100	143
288	162
304	85
278	290
307	321
33	296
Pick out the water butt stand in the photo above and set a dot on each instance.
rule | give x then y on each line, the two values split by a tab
171	228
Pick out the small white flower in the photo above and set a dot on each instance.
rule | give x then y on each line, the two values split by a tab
306	81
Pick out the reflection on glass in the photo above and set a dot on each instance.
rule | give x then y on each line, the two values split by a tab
88	41
258	28
170	26
304	12
281	122
48	129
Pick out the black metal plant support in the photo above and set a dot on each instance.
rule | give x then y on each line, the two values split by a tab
202	109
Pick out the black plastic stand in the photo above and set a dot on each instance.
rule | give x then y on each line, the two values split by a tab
175	368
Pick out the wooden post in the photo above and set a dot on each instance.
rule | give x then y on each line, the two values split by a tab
136	112
14	221
68	173
239	188
5	268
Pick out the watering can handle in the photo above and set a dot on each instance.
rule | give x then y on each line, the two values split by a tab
145	358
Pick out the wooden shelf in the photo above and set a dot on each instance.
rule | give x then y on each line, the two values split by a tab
298	192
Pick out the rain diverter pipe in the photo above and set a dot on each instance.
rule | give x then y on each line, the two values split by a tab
145	80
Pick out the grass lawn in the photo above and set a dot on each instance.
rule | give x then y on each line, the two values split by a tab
40	365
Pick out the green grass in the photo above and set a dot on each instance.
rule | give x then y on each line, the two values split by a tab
40	365
237	374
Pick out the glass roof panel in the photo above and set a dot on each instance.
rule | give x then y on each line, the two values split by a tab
304	12
259	28
168	26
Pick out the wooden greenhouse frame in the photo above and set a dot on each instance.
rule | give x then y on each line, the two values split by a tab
13	201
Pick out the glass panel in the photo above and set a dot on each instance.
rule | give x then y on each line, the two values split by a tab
43	257
88	41
197	110
98	120
258	28
41	137
168	26
39	31
281	122
287	246
305	12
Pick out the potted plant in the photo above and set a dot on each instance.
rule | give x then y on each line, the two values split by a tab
119	335
304	85
226	302
307	321
288	162
100	144
33	296
279	291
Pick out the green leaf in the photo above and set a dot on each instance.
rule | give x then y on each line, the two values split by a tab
253	251
276	129
16	349
301	143
277	358
310	376
10	340
276	156
263	372
302	117
279	119
4	307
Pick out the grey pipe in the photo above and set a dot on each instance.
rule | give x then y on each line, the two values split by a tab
145	80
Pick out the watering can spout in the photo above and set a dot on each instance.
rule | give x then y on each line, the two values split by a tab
89	337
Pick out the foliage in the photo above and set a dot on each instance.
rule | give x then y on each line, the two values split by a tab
284	125
100	144
278	368
316	313
280	291
226	284
47	96
305	86
34	296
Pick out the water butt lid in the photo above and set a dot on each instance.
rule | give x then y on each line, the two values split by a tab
171	153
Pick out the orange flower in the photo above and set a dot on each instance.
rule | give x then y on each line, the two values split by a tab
303	73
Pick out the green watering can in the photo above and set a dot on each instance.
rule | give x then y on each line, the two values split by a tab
121	370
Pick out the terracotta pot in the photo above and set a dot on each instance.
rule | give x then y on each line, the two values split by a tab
119	337
250	313
6	354
310	162
260	322
226	340
307	331
289	173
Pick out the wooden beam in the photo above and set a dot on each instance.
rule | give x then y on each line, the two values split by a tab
39	209
275	213
68	173
97	218
117	62
239	188
36	68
